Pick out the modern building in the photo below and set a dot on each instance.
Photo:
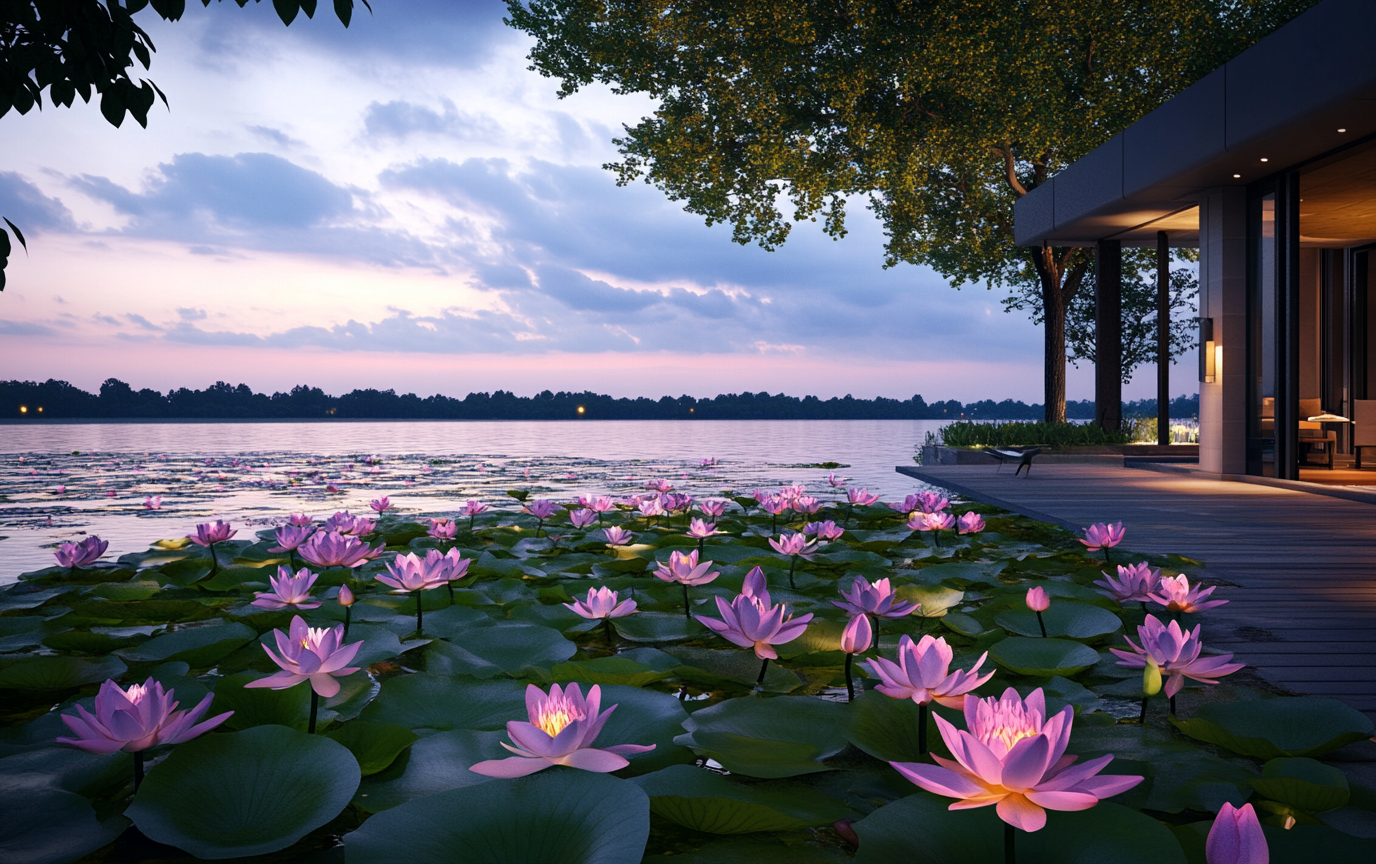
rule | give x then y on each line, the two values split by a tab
1268	167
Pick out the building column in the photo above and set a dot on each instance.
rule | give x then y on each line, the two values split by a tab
1223	297
1163	338
1108	334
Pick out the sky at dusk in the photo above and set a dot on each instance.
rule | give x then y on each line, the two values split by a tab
403	204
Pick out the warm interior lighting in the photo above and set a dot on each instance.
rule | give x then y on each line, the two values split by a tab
1237	176
23	409
1264	159
1210	353
580	409
1218	362
1340	131
40	409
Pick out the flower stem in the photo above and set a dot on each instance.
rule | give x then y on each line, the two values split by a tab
1041	623
850	686
1106	558
764	667
348	617
419	612
1143	718
450	586
701	540
607	625
936	536
539	527
1172	706
1009	853
315	707
792	562
922	728
214	562
138	769
471	517
686	612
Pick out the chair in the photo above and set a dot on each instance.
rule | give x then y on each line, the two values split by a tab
1363	426
1023	458
1313	434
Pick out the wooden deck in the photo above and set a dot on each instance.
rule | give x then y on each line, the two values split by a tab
1302	567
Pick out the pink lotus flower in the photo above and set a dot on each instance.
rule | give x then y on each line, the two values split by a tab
331	549
381	505
210	533
923	673
709	462
135	719
601	504
857	636
1103	536
919	522
81	554
582	518
602	603
413	573
1135	583
310	654
650	508
1013	758
299	520
806	504
971	523
289	537
878	599
346	596
713	507
617	536
152	502
1037	599
910	504
457	564
794	544
756	586
932	502
288	590
700	530
775	505
1177	595
659	485
862	497
824	531
342	521
749	623
475	508
1176	652
443	529
685	569
940	521
835	482
541	509
562	729
1236	837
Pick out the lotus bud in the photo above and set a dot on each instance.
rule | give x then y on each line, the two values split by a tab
346	599
1037	599
1151	678
857	636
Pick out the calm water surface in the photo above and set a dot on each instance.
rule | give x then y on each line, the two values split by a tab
62	480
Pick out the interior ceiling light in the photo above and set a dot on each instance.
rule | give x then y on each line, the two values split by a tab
1237	176
1341	130
1264	159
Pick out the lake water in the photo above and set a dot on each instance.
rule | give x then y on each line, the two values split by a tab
61	480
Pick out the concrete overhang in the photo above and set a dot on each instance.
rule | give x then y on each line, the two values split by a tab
1276	105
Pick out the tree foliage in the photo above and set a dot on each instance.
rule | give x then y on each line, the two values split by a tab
940	114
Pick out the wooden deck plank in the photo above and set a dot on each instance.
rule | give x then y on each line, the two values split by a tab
1298	569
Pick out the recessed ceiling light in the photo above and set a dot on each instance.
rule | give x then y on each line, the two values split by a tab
1237	176
1342	130
1264	159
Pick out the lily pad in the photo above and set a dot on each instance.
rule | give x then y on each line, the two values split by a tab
1064	618
662	626
441	702
245	793
560	814
435	763
643	717
705	801
505	647
1305	784
887	728
617	669
374	745
920	829
1266	729
935	599
1302	843
759	737
187	571
57	673
47	825
261	705
730	666
1043	657
198	646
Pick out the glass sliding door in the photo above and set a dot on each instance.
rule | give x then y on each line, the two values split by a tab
1262	326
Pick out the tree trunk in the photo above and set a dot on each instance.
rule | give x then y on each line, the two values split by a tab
1053	315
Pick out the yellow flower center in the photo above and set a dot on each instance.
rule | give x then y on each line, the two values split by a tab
554	721
1009	735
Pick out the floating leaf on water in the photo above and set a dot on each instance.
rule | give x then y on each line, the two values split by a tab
779	737
1043	657
1289	726
705	801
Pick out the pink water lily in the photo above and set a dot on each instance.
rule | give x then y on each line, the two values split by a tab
541	509
331	549
685	569
1135	583
210	533
135	719
1176	652
749	623
411	572
806	504
756	586
602	603
288	591
1037	599
83	553
1102	535
310	654
381	505
795	546
824	531
617	536
1013	756
562	730
299	520
700	530
862	497
923	673
877	598
911	504
582	518
857	635
971	523
836	482
1236	837
1178	595
289	537
152	502
475	508
443	529
939	521
713	507
932	502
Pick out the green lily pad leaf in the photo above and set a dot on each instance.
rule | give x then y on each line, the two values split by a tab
887	728
87	774
1064	618
1304	784
245	793
1300	843
261	706
821	637
451	622
379	643
57	673
662	626
793	848
922	830
1266	729
965	625
440	702
86	642
935	599
617	669
158	612
560	814
198	646
643	717
187	571
731	666
507	646
1043	657
374	745
141	590
47	825
705	801
435	763
779	737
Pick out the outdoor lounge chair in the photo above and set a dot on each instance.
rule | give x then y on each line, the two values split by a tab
1022	458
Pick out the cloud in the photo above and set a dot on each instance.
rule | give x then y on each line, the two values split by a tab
26	206
25	328
190	314
276	136
142	322
399	119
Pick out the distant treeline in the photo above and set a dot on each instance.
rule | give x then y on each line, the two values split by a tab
221	401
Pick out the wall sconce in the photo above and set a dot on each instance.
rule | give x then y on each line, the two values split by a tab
1209	352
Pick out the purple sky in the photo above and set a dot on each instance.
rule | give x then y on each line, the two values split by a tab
403	204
